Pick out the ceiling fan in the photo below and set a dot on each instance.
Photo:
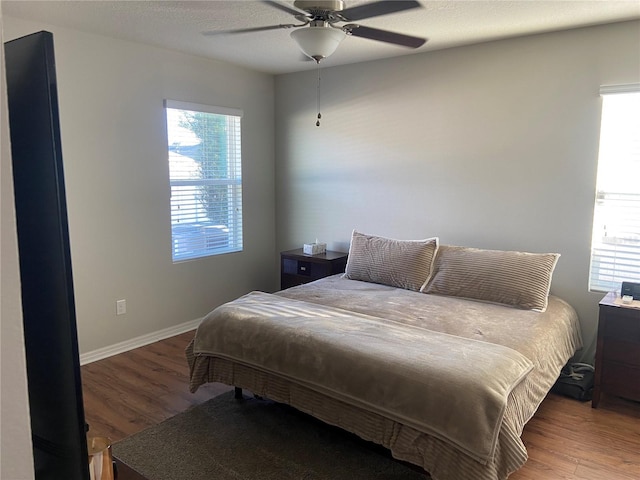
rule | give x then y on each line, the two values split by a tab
322	34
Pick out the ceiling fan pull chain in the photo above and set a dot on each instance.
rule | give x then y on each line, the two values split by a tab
318	97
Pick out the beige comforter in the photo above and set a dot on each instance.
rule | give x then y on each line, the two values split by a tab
448	386
547	340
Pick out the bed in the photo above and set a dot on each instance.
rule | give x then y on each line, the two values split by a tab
439	353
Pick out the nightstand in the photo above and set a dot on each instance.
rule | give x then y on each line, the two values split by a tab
617	350
297	268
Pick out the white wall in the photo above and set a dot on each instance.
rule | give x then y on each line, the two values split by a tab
114	149
491	146
16	459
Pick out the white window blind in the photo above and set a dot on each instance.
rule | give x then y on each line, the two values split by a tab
205	171
615	245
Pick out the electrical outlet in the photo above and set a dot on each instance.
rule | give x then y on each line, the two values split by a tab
121	307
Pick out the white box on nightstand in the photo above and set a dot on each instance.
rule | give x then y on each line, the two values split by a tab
314	248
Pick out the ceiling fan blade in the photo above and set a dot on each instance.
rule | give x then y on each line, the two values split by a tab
286	8
211	33
384	36
376	9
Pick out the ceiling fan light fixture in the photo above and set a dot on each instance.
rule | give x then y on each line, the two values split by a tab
318	42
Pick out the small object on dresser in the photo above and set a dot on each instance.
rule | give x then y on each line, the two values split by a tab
630	289
314	248
627	299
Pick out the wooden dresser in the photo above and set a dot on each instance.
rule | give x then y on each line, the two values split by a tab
617	351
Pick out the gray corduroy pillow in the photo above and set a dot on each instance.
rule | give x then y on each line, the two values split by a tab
519	279
398	263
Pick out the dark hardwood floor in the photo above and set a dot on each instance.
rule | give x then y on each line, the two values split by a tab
134	390
566	439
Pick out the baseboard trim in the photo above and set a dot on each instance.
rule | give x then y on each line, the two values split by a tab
136	342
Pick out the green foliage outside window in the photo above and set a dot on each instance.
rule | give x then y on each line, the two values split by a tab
211	156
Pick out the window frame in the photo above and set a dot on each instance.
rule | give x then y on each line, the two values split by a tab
615	258
234	201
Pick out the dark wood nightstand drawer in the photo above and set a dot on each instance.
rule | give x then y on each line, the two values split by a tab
619	324
621	351
621	380
304	268
289	266
297	268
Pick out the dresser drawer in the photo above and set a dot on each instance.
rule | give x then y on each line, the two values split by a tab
306	268
290	266
623	327
621	380
621	351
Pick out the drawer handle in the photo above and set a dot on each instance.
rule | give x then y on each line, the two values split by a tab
304	269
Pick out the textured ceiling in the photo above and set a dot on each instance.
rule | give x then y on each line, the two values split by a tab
178	25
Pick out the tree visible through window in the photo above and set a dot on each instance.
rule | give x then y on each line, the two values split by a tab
615	245
204	145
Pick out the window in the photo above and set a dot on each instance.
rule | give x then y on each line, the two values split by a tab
615	245
206	179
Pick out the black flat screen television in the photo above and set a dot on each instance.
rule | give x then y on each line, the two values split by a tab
53	367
